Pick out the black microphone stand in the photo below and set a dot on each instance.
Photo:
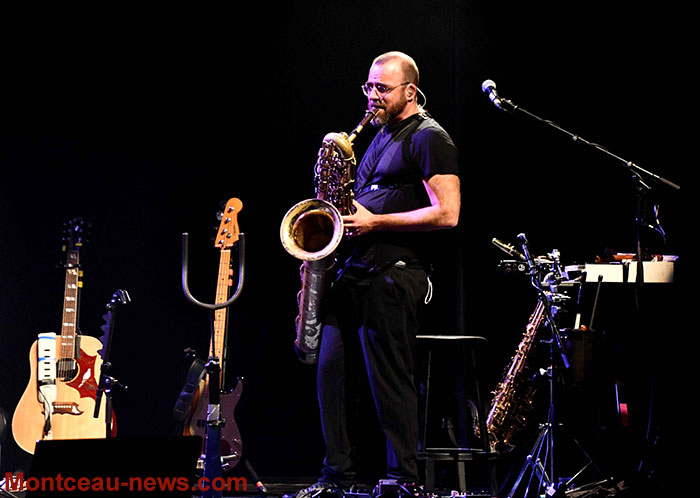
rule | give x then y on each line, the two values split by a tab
107	382
636	172
212	457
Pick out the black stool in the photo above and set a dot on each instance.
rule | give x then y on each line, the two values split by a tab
449	399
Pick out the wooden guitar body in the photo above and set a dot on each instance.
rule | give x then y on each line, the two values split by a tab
73	416
59	401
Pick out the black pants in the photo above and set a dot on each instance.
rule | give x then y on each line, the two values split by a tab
371	324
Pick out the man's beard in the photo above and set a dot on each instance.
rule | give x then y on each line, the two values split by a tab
389	114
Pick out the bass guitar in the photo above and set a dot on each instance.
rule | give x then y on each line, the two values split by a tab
231	444
60	398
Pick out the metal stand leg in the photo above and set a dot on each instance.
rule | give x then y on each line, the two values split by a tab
534	462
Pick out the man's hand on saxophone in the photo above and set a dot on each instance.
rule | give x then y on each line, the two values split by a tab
360	222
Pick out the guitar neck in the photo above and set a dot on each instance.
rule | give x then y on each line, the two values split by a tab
71	303
223	287
226	237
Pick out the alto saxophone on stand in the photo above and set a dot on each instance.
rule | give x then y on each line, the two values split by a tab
312	230
513	398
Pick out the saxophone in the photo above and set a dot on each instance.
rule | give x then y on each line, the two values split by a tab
513	397
312	230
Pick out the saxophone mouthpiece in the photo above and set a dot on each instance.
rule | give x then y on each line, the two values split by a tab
507	248
368	117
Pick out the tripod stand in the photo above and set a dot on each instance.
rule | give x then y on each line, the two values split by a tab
540	461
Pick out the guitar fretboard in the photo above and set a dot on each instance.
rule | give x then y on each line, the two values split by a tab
222	294
69	324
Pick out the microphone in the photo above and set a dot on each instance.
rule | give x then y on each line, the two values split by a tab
489	87
526	252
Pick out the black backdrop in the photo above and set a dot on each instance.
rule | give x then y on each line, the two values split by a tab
142	121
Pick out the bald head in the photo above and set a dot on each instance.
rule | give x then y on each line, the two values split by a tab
403	62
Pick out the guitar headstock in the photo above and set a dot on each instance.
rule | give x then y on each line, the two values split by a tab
228	229
75	233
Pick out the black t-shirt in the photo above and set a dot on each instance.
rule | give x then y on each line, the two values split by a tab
390	180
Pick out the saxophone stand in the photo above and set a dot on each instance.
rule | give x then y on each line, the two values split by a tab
107	382
212	458
541	458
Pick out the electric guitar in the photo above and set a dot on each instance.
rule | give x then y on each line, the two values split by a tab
60	398
231	444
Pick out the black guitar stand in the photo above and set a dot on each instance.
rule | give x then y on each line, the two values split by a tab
213	463
107	383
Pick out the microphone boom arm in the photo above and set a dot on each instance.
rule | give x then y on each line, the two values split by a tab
633	168
635	171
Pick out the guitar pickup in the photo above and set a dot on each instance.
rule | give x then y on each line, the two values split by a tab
46	358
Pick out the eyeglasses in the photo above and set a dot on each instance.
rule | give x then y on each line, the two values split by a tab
381	88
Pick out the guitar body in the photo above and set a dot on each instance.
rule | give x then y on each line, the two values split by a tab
73	416
231	444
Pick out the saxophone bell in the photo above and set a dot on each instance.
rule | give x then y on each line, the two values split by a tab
311	230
